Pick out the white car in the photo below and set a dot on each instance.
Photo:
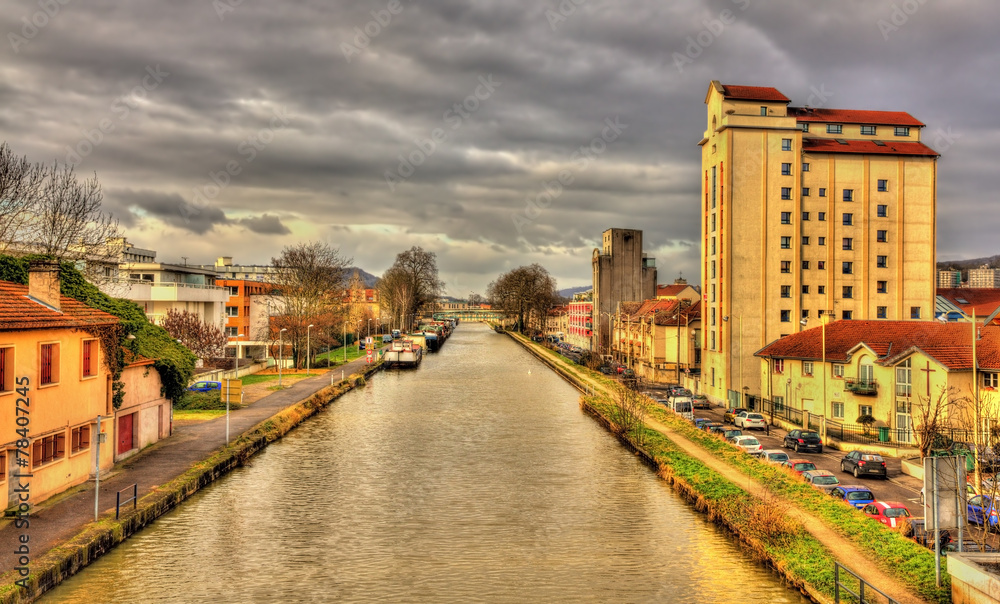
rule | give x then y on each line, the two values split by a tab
775	456
747	420
749	444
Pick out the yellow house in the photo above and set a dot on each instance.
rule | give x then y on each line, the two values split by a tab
145	415
659	339
894	371
807	211
54	384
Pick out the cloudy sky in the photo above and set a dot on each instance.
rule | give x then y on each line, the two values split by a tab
236	127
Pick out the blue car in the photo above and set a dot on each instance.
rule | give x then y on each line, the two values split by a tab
981	506
853	495
205	386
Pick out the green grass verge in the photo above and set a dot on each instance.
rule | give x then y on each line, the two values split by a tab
197	414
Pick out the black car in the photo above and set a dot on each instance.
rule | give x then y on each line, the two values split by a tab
864	464
803	440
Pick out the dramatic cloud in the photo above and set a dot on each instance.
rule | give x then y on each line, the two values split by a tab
379	125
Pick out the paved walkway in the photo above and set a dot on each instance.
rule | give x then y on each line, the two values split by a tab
61	517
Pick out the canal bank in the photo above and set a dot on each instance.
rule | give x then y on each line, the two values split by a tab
73	542
803	542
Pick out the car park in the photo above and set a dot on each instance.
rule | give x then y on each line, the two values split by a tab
799	465
823	480
803	441
982	507
730	414
854	495
748	420
864	464
889	513
700	401
749	444
774	456
205	386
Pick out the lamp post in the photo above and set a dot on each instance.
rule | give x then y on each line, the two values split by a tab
343	340
281	351
236	365
369	329
308	347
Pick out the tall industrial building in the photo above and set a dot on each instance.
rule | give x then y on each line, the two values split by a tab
810	214
622	273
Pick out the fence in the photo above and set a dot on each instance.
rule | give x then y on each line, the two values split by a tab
134	498
777	410
869	435
844	582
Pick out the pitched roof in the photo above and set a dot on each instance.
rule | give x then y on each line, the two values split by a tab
832	145
20	312
670	290
854	116
948	343
982	300
753	93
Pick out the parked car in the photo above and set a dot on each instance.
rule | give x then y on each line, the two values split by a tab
889	513
749	444
731	433
864	464
823	480
386	338
731	414
606	370
700	401
205	386
699	421
979	508
803	441
853	495
799	465
774	456
719	430
748	420
707	427
676	390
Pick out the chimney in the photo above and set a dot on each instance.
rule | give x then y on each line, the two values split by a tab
43	282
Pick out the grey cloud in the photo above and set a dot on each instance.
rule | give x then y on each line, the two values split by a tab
266	224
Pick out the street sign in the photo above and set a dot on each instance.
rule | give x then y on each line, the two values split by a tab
369	341
231	391
370	356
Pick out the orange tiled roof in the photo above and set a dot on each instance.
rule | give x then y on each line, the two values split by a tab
19	312
830	145
982	300
948	343
670	290
854	116
753	93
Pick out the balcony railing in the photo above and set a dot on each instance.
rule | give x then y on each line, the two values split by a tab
859	386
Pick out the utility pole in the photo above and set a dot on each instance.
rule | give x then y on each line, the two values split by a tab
97	470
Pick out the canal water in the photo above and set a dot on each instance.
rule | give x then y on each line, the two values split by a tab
474	478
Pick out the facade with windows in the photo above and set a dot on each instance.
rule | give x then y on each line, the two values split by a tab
580	314
875	181
660	339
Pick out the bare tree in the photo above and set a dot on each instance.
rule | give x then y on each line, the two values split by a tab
411	285
475	299
931	418
629	410
20	184
525	293
206	341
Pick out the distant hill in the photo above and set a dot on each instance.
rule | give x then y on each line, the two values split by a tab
965	265
369	279
568	292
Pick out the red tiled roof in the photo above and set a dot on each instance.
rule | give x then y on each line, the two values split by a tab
753	93
854	116
671	290
830	145
948	343
982	300
19	312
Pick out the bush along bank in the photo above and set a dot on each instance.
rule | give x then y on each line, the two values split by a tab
98	538
902	559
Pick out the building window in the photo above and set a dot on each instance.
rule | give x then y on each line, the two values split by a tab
786	243
47	449
834	129
805	191
232	332
822	191
763	109
89	358
904	374
838	410
786	218
713	244
914	312
804	126
838	370
848	243
807	368
786	144
712	335
821	216
821	241
713	292
881	312
786	169
882	287
991	380
234	290
882	236
779	365
805	265
786	266
786	316
848	291
819	313
49	364
713	187
79	439
821	265
882	261
868	130
848	219
3	466
805	166
7	369
805	314
805	241
848	194
902	131
864	410
712	317
883	184
713	269
712	219
805	215
821	289
805	290
786	291
847	268
232	311
786	192
882	211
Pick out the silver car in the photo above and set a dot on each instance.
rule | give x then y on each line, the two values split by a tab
775	456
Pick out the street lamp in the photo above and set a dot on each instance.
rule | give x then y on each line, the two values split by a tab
369	328
308	347
281	351
343	340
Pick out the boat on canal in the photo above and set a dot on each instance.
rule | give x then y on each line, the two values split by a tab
403	353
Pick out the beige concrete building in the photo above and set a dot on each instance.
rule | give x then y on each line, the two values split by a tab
622	273
807	212
948	279
984	276
659	339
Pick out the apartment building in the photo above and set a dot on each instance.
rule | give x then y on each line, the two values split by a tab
580	317
984	276
948	279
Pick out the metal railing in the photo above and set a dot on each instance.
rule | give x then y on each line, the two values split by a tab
777	410
844	581
860	386
869	435
134	499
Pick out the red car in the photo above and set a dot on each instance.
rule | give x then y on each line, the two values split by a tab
889	513
799	465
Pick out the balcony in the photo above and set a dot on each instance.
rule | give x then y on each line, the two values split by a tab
861	387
